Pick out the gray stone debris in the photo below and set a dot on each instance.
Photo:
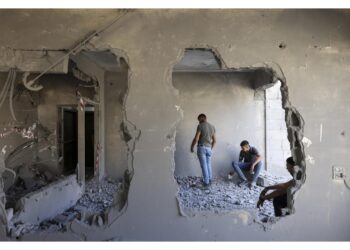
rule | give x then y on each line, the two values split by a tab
97	196
224	195
99	221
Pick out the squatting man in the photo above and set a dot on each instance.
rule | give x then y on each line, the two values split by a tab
249	160
279	193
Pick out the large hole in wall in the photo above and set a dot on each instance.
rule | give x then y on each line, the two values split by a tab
243	104
88	174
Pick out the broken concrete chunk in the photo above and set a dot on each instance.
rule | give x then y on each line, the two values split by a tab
99	221
261	182
38	206
9	213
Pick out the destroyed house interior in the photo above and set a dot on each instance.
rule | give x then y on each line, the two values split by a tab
99	107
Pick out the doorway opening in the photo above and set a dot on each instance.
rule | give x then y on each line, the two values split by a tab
89	142
68	140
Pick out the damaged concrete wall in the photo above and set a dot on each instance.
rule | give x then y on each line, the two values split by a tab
314	61
229	103
242	38
116	84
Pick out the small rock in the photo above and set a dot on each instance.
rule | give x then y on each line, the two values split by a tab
9	213
238	203
99	221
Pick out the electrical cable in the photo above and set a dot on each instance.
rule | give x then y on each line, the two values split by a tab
346	184
11	96
7	88
72	51
3	91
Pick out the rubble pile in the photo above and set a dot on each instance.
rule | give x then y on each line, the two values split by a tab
223	196
97	196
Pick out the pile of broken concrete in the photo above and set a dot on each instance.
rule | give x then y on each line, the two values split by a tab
224	196
90	208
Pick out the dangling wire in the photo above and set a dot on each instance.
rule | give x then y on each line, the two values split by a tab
3	91
7	85
11	95
346	184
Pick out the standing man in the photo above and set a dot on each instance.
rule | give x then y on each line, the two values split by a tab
205	140
279	193
249	159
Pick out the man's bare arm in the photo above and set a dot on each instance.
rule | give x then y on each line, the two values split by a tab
276	193
195	140
273	194
213	140
279	189
257	160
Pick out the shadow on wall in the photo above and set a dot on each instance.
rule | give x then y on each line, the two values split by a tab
234	102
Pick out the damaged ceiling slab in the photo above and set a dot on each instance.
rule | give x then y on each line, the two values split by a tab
98	109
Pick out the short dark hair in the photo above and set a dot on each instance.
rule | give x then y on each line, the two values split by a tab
290	161
202	116
243	143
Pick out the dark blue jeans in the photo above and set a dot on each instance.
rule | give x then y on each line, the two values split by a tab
239	166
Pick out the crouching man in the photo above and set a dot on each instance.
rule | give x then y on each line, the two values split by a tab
279	193
249	160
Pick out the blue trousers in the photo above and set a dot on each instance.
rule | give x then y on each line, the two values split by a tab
204	155
239	166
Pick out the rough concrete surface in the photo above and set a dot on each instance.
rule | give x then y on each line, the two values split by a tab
89	208
47	202
312	65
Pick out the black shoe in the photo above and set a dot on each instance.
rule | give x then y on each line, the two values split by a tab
205	185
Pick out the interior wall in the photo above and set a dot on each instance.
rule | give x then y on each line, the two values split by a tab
277	144
116	84
58	90
229	103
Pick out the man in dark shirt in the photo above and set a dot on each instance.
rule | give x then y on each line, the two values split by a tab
279	193
205	140
249	159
